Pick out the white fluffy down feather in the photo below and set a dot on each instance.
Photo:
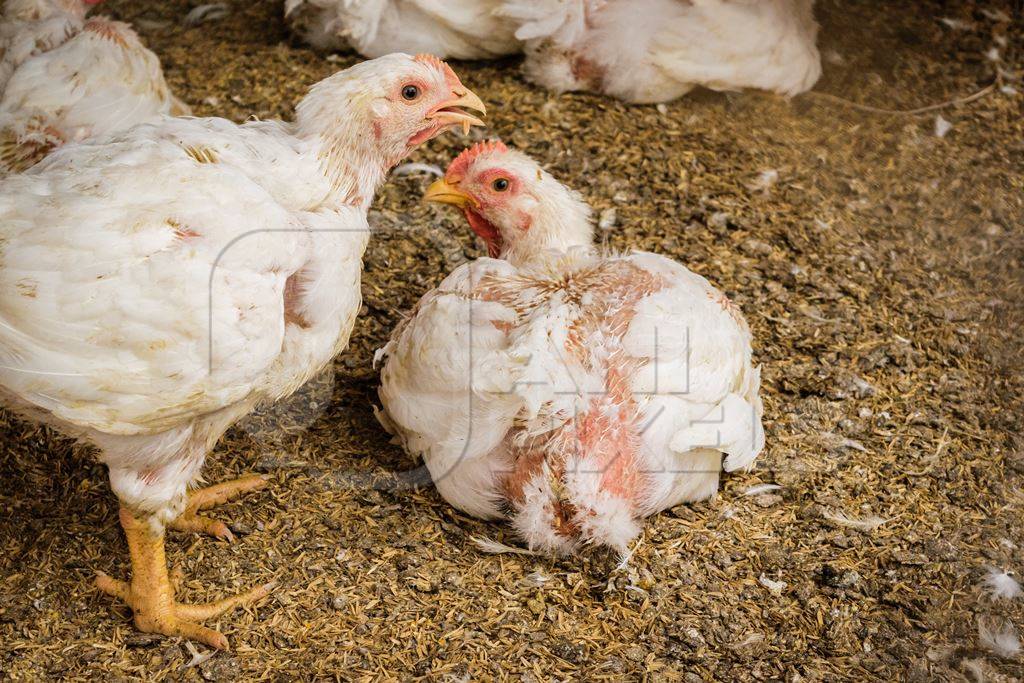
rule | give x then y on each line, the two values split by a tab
999	636
572	392
460	29
88	77
657	50
1001	584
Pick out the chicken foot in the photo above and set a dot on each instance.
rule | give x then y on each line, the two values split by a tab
206	498
150	593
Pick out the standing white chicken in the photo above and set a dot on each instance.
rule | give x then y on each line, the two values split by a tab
572	391
159	283
658	50
458	29
64	78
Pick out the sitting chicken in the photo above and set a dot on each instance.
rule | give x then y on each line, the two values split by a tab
658	50
459	29
64	78
159	283
571	391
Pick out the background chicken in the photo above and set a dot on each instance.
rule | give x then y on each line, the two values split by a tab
460	29
147	317
575	391
657	50
64	77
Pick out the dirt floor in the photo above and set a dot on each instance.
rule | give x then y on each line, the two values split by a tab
882	276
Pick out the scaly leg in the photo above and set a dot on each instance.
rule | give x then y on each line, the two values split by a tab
151	593
204	499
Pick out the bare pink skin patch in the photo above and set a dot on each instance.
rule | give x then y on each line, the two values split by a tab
608	431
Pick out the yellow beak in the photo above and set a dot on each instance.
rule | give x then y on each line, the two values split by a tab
443	193
450	112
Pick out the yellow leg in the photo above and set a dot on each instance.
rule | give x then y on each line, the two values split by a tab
151	592
204	499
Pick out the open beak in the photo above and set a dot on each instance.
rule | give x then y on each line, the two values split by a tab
442	192
450	113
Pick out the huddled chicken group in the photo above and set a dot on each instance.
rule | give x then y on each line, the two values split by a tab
568	390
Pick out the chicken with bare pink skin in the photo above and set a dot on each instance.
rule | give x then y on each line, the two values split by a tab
158	284
65	77
569	391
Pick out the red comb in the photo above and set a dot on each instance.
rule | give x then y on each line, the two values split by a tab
430	60
460	164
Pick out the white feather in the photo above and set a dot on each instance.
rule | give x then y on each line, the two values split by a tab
864	524
201	14
409	169
493	547
761	488
1001	584
774	587
999	637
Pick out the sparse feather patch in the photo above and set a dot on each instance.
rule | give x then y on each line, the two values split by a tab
460	164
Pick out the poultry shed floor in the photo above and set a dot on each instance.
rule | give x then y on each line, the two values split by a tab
880	267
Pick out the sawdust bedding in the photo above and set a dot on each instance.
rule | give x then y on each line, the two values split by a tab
879	265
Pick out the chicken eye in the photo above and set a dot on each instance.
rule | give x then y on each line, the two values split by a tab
410	92
500	185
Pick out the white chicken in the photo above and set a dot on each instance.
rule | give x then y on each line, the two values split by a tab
64	78
458	29
572	392
657	50
158	283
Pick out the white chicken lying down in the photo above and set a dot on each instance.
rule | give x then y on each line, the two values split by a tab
459	29
64	78
657	50
570	391
157	284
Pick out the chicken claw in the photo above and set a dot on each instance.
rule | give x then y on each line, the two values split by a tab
206	498
150	593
